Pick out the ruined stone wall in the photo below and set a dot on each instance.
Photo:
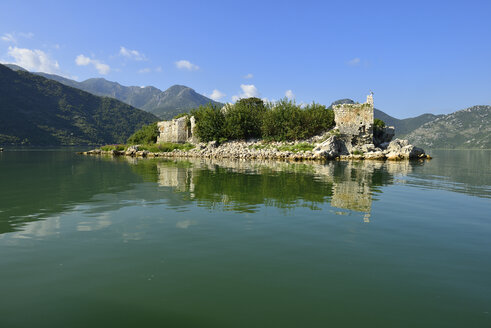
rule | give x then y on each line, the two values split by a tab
355	120
176	131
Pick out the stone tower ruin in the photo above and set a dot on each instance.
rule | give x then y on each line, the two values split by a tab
355	120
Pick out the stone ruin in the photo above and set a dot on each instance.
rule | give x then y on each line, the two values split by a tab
355	121
179	130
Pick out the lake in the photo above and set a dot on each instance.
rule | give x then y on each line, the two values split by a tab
124	242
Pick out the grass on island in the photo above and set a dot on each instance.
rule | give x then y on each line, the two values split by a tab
291	148
297	148
164	147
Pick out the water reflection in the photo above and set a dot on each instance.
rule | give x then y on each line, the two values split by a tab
39	185
245	185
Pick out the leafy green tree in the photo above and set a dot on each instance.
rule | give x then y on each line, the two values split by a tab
210	122
243	120
378	123
282	121
146	135
317	119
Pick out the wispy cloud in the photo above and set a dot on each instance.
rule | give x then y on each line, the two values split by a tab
144	70
354	62
33	60
102	68
248	76
187	65
248	90
8	37
289	94
132	54
13	37
216	95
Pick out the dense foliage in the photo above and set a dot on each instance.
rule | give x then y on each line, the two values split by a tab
251	118
38	111
210	123
243	120
146	135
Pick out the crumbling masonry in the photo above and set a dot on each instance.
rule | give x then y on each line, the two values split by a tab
355	120
179	130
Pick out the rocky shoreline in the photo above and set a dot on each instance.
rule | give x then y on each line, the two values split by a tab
330	147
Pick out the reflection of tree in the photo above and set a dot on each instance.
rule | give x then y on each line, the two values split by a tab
244	185
48	183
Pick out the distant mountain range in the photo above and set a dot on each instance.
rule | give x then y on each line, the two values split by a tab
164	104
468	128
55	113
38	111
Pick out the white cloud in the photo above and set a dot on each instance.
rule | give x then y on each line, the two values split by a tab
248	90
144	70
217	95
354	62
158	69
131	54
185	64
249	76
81	60
102	68
8	37
289	94
12	37
34	60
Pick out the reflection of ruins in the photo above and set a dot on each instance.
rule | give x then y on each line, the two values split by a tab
180	178
348	185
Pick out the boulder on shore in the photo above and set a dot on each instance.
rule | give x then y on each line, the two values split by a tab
401	149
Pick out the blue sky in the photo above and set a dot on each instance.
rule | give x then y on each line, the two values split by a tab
416	56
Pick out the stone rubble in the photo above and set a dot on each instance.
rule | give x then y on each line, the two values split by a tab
333	147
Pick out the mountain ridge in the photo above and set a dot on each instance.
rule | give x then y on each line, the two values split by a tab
38	111
468	128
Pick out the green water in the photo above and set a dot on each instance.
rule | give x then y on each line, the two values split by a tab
101	242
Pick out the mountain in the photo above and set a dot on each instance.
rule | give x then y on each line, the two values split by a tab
405	125
164	104
16	67
468	128
402	127
38	111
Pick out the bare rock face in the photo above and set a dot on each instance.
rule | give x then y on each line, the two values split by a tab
401	149
330	148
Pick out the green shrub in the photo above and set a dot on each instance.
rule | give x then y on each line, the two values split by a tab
243	120
146	135
282	121
210	121
378	123
378	127
317	119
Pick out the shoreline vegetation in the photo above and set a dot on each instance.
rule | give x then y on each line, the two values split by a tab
251	129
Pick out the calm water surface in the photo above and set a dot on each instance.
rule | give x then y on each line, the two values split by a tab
102	242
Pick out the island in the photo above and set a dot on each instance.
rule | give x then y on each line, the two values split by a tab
251	129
